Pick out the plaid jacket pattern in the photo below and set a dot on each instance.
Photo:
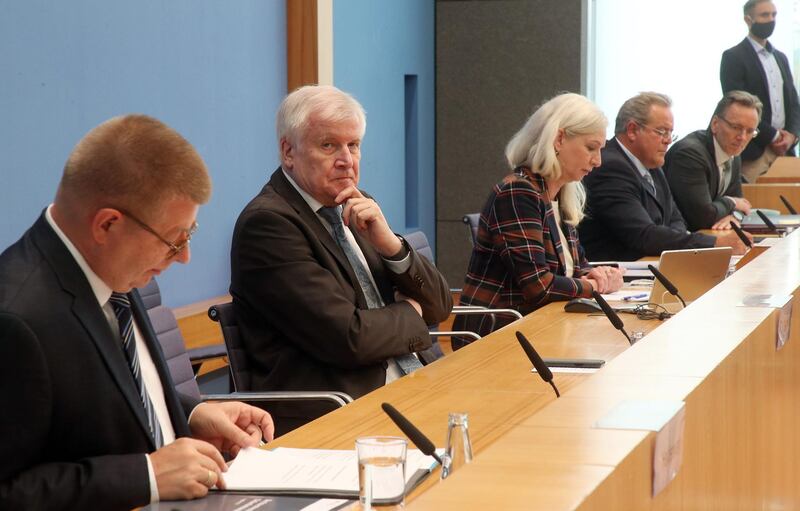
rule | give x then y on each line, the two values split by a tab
517	261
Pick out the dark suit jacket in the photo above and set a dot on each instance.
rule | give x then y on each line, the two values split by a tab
693	175
624	219
741	69
303	317
518	259
72	424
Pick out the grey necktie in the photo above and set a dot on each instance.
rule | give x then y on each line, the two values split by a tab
649	178
122	310
333	215
724	179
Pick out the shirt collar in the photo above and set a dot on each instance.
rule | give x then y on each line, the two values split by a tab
639	165
313	203
757	46
100	289
720	156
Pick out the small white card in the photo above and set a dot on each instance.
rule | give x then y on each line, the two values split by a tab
771	301
784	325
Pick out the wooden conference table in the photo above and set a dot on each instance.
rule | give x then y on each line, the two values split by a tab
535	452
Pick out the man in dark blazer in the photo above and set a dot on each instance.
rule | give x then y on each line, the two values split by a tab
755	66
90	418
630	212
308	320
703	168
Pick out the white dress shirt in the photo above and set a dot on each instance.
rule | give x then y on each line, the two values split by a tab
774	83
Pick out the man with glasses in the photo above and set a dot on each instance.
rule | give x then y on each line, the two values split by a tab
703	168
630	212
89	416
755	66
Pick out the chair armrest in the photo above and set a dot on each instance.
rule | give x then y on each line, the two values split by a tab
459	333
338	398
207	352
500	312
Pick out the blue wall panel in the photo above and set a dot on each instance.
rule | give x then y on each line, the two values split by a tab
213	70
376	44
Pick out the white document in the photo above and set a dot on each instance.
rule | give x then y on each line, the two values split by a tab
307	471
628	295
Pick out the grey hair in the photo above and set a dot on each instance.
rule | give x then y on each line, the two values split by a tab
325	101
738	97
751	4
533	145
637	109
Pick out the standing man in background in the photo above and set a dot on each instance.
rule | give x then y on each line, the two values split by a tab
755	66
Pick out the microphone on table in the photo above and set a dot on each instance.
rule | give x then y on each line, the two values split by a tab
416	436
788	205
739	232
544	372
611	315
669	286
767	221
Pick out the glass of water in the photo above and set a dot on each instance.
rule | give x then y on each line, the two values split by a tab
381	470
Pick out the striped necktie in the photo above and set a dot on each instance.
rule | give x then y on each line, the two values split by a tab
122	310
333	215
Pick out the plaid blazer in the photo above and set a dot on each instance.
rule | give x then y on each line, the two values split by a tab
517	261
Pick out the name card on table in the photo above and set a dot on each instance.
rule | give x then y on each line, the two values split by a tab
667	419
782	302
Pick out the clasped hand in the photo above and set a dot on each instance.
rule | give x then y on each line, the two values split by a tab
605	279
365	216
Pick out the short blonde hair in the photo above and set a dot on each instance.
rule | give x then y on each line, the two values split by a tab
533	145
134	162
326	102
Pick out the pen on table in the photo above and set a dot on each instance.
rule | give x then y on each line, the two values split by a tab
634	297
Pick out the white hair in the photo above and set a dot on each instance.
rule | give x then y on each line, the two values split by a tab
325	102
533	145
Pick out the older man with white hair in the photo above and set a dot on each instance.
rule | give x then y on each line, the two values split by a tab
327	296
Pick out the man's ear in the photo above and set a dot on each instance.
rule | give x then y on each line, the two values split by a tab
631	131
104	224
287	154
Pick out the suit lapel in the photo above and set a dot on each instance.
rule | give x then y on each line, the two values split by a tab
646	189
285	189
712	151
90	315
755	63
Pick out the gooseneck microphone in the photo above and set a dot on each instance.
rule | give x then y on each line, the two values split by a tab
544	372
788	205
422	442
611	315
739	232
767	221
669	286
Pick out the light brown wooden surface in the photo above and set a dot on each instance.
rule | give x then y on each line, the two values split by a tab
535	452
741	437
767	195
786	169
301	43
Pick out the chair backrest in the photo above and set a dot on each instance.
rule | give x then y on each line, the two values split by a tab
237	357
170	339
472	220
419	242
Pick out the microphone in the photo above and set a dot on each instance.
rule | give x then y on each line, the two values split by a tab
767	221
669	286
422	442
611	315
541	368
788	205
739	232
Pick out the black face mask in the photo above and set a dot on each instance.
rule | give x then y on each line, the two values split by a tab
763	30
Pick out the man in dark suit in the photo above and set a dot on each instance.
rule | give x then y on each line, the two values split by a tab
630	212
90	418
703	168
327	296
755	66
